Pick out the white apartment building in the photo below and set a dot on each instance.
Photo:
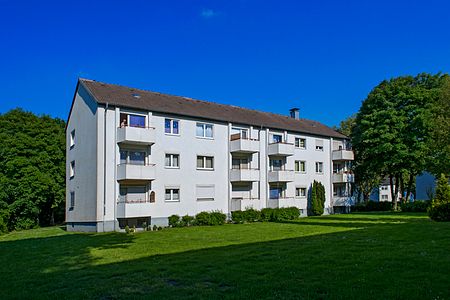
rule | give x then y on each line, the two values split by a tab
135	157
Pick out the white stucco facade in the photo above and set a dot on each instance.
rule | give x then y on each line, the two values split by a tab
127	175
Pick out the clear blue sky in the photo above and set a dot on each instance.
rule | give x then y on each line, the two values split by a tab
321	56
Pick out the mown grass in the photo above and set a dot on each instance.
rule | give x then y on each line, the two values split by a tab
358	256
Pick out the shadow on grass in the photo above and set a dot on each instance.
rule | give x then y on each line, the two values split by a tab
386	261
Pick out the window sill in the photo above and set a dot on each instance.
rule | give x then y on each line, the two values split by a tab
205	169
300	148
204	138
300	172
168	167
172	134
205	199
171	200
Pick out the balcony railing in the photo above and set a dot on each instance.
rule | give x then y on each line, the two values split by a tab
128	171
136	135
342	154
281	175
343	177
281	149
244	174
243	144
128	208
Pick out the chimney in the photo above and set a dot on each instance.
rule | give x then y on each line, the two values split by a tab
294	113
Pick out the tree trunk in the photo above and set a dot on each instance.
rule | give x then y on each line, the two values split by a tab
401	187
393	196
409	187
397	177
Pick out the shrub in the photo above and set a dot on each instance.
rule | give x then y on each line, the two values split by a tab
187	220
217	218
3	221
174	221
440	205
202	218
252	215
285	214
373	206
440	212
266	214
237	216
416	206
317	198
127	229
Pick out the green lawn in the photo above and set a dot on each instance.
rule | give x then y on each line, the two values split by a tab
368	256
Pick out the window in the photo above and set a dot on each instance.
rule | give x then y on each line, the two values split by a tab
133	157
133	194
319	145
204	130
132	120
171	126
276	164
72	139
205	192
275	193
384	197
300	192
300	166
205	162
276	138
384	188
172	195
241	133
72	169
300	143
172	160
319	167
239	163
72	200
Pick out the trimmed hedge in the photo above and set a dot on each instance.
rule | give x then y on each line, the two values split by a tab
174	221
210	218
265	215
373	206
416	206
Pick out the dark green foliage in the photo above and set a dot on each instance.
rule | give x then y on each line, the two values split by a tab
317	198
248	215
440	212
174	221
266	214
32	169
3	222
210	218
373	206
187	220
440	205
416	206
238	216
285	214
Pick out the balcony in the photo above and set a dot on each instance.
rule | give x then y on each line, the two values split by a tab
244	175
135	172
240	203
343	177
243	145
343	201
281	176
281	149
133	209
342	155
136	135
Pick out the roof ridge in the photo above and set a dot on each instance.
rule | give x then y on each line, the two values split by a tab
203	101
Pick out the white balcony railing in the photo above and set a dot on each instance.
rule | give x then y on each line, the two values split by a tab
281	176
135	172
127	208
238	144
244	175
343	177
281	149
136	135
342	155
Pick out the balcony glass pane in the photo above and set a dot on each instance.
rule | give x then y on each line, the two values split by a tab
123	157
137	158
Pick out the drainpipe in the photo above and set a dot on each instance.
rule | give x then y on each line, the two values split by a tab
104	166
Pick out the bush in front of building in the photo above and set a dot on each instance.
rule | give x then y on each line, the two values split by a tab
440	205
265	215
187	220
416	206
373	206
205	218
174	221
317	198
285	214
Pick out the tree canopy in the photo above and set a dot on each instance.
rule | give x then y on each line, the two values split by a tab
32	169
392	131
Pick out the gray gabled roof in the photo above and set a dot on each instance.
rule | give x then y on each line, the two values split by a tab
156	102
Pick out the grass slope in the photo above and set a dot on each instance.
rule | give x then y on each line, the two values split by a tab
369	256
